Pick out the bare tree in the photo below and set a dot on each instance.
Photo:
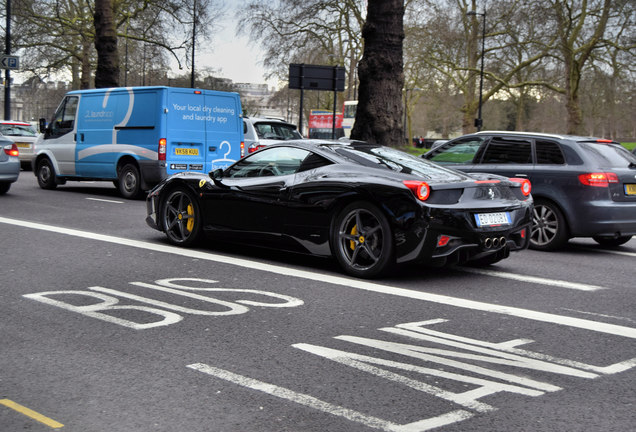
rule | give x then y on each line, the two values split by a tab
60	35
379	113
309	31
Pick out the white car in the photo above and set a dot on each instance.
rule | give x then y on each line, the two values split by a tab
23	134
259	132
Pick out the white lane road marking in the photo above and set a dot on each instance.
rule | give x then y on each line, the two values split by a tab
600	327
320	405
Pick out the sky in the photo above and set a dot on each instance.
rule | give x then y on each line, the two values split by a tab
233	56
229	55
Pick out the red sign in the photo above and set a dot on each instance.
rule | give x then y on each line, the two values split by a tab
324	120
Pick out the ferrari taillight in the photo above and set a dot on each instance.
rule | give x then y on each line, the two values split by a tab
421	189
598	179
526	186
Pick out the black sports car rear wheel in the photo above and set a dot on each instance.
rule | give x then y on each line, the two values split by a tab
361	240
180	217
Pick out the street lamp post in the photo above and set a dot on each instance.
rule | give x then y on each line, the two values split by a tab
478	120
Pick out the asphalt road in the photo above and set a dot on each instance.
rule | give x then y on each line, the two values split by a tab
105	327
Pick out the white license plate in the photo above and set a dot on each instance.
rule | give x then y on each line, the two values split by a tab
492	219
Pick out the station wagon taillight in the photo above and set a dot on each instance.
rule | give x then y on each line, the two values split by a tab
598	179
161	149
11	150
421	189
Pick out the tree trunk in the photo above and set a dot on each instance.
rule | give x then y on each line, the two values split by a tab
107	73
381	73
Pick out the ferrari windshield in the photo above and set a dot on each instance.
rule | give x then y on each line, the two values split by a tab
395	160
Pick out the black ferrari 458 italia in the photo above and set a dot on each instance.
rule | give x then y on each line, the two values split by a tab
369	206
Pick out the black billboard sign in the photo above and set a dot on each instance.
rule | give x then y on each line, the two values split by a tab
315	77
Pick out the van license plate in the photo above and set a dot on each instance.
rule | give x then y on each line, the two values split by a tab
630	189
492	219
180	151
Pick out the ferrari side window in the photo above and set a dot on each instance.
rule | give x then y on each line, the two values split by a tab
275	161
458	152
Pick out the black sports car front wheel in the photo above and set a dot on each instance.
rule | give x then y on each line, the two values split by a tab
180	217
361	240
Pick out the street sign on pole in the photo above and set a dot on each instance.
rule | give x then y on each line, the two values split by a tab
9	62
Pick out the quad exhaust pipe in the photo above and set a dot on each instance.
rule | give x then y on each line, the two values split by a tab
494	242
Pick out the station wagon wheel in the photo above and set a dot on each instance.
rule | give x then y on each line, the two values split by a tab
549	231
46	174
611	241
361	240
129	181
4	187
181	217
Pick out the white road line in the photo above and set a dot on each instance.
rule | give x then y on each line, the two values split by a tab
615	252
105	200
320	405
628	332
534	279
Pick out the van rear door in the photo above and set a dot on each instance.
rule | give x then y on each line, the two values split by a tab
185	128
204	130
224	129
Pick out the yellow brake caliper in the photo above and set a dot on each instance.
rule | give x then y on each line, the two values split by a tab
354	231
190	224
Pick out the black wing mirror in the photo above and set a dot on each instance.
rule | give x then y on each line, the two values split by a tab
42	125
216	174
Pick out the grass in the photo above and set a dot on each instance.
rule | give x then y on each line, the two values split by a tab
629	146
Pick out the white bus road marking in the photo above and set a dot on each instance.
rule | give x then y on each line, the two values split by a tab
613	329
326	407
110	303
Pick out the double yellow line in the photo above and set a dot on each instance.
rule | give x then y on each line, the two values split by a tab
30	413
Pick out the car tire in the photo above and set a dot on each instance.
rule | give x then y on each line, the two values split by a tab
129	181
180	217
46	174
549	230
361	240
4	187
611	241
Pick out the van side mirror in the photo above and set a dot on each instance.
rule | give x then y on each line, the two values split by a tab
42	125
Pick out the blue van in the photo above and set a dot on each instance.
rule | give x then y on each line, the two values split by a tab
137	136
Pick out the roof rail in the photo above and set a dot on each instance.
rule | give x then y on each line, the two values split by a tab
522	133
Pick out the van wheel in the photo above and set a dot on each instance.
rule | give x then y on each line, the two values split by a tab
46	174
129	181
4	187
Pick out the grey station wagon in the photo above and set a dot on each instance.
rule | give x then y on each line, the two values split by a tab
582	186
